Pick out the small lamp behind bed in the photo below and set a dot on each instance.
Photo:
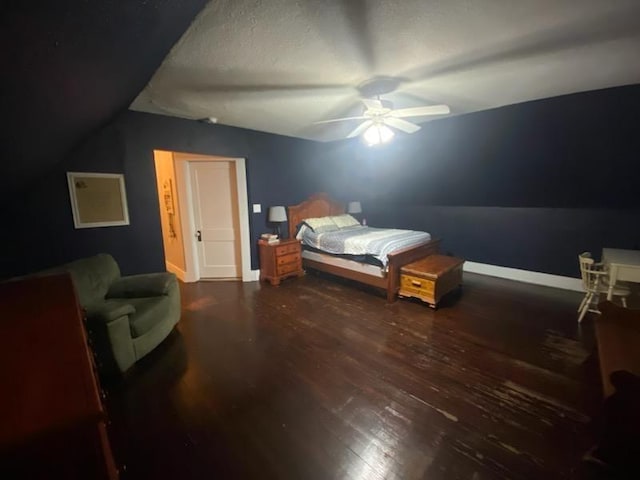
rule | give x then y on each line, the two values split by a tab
356	207
277	215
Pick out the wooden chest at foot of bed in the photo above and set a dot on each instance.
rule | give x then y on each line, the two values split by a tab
280	260
430	278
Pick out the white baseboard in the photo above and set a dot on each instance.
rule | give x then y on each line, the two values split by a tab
526	276
181	274
254	276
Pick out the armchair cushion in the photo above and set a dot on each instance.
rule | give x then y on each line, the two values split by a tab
109	311
148	312
144	285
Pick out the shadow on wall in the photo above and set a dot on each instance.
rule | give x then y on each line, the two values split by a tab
537	239
40	215
525	186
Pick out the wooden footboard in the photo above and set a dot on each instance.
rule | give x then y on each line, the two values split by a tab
379	282
401	258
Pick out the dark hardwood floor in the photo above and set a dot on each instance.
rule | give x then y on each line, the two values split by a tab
320	379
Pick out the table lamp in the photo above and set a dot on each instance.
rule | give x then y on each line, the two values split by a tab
355	207
277	215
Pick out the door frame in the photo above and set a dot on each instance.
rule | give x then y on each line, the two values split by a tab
183	185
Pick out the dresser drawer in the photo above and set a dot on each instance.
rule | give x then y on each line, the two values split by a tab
416	285
290	258
288	268
285	249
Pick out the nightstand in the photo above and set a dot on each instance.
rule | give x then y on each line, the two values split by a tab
280	260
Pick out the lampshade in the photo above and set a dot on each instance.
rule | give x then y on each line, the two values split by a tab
354	207
377	134
277	214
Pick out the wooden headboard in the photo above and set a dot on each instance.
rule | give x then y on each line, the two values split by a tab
317	205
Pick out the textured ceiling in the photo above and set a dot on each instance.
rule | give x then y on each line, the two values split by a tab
281	65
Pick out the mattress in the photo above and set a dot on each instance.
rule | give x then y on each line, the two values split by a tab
371	260
359	240
345	263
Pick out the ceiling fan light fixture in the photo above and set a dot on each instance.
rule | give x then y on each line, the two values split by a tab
377	134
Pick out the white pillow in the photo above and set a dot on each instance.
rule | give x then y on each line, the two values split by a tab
321	224
344	221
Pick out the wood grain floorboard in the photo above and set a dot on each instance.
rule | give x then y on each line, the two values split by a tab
320	379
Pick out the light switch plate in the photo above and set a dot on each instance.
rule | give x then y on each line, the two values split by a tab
257	208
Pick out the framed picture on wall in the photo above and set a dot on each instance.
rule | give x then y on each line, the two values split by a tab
98	199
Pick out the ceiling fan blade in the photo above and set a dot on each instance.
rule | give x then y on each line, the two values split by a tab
420	111
401	124
360	128
372	103
341	119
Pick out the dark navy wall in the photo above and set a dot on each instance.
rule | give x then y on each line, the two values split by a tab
40	216
526	186
71	66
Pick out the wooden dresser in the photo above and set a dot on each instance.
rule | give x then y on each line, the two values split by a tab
280	260
52	421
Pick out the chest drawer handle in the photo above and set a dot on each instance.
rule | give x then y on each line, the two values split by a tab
415	283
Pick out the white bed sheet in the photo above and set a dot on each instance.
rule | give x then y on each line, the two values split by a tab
344	263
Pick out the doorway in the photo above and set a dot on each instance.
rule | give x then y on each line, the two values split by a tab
210	213
215	216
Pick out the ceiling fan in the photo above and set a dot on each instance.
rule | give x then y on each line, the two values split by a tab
380	115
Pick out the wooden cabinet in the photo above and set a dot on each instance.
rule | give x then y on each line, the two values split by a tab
51	411
280	260
618	335
430	278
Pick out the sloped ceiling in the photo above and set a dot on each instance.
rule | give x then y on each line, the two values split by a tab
281	65
68	66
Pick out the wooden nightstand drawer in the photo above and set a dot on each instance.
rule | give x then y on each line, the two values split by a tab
288	268
291	258
285	249
416	285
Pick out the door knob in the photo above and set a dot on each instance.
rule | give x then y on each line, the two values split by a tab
199	235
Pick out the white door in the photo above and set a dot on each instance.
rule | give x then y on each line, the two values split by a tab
215	209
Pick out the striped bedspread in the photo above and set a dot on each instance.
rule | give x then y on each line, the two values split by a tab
359	240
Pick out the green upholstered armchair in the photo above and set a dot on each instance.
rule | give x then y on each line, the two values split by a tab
127	317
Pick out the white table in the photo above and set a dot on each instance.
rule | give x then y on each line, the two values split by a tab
623	265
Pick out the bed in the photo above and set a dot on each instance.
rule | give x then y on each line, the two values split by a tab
321	205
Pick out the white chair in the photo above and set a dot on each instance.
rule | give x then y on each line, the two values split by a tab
595	281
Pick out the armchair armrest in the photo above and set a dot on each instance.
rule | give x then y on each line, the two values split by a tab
108	313
110	334
144	285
